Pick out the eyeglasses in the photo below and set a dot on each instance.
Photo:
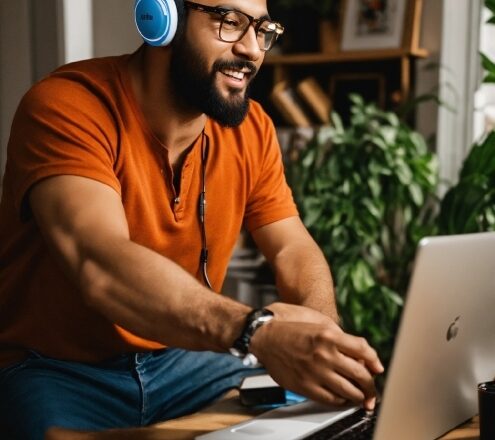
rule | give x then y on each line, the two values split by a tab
235	24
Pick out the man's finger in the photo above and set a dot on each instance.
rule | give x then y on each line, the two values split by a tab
357	373
343	387
357	348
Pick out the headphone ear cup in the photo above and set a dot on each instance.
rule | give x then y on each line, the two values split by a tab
156	21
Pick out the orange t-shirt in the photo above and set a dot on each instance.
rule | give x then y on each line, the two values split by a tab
84	120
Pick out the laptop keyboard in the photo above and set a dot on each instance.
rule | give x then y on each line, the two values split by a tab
356	426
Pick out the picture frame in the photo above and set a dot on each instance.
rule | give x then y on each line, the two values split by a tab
380	24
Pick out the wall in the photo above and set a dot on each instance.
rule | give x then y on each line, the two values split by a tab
459	79
30	47
428	70
114	29
15	64
76	28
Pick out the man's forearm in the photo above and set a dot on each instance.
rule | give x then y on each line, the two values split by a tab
156	299
303	277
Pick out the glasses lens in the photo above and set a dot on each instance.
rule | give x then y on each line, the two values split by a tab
233	26
267	35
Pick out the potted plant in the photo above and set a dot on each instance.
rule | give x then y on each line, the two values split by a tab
364	193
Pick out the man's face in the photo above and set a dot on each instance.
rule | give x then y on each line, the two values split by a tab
212	75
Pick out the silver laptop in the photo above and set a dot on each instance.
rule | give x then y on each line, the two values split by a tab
444	348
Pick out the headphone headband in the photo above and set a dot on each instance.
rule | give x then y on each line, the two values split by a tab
156	21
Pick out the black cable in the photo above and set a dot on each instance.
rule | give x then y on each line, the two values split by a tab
203	257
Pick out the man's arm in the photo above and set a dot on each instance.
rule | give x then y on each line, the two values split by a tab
84	223
301	271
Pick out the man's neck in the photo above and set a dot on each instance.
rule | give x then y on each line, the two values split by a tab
175	126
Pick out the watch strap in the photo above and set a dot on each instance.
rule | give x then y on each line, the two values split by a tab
254	320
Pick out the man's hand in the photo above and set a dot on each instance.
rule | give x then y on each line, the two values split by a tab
317	359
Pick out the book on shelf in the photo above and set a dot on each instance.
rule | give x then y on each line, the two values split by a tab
287	102
315	98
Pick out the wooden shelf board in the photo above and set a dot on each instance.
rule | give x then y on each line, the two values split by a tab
343	57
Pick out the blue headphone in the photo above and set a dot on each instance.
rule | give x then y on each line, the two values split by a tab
156	20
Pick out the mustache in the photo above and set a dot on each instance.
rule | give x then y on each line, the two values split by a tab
236	65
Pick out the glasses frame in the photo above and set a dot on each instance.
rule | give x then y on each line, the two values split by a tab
255	22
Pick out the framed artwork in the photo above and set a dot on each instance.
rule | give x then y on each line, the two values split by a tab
375	24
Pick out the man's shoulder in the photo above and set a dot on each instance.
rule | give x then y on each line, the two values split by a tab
91	73
90	84
101	66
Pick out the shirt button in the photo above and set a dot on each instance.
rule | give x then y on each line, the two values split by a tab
177	200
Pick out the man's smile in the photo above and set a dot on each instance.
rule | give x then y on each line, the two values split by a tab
237	74
235	78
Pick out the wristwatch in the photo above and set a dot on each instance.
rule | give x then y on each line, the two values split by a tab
254	320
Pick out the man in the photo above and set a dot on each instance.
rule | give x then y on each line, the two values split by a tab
105	258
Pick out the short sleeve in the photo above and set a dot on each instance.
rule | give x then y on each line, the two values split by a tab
271	198
63	126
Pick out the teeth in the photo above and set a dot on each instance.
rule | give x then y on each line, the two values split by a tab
235	74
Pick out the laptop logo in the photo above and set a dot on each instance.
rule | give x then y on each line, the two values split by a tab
453	329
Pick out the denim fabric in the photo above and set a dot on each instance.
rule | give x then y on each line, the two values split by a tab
130	391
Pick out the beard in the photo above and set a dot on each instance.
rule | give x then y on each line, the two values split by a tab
195	85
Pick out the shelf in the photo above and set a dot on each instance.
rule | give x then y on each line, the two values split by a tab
343	57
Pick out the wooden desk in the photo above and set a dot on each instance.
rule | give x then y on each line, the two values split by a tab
226	412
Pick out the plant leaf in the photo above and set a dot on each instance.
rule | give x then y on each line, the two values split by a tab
490	4
490	78
361	277
487	63
403	172
416	193
309	159
337	122
372	208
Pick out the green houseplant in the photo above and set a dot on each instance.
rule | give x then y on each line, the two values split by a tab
363	192
469	206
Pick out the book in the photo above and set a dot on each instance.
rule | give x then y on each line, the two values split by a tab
285	99
315	98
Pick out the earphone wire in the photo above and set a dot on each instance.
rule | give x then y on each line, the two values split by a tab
203	258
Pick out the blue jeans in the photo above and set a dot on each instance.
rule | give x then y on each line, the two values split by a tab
130	391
